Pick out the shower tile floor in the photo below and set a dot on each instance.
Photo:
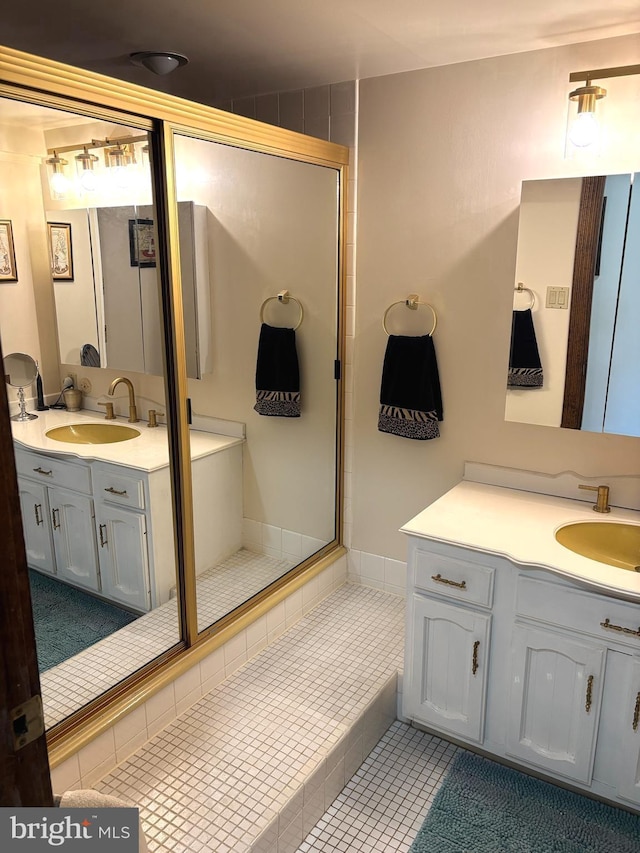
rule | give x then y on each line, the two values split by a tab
66	688
382	807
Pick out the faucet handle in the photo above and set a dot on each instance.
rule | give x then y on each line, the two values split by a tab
602	501
153	416
110	415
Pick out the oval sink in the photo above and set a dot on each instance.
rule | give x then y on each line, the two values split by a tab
92	433
610	542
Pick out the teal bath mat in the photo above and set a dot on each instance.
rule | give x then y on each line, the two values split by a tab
483	807
67	620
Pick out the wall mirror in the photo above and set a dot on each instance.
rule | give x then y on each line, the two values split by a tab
251	226
272	226
581	234
101	563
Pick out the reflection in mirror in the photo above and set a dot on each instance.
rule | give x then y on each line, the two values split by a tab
582	235
97	515
20	371
272	226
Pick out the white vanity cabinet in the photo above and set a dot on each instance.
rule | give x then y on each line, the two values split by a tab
448	643
554	705
525	665
58	521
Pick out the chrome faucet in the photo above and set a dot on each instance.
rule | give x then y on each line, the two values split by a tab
133	412
602	501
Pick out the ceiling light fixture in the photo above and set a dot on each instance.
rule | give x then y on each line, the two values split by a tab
584	129
160	62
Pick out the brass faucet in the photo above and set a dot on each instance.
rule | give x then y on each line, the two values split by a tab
133	412
602	501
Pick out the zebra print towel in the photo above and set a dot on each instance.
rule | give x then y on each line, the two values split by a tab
525	369
277	373
410	398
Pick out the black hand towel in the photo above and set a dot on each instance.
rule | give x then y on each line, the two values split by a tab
410	398
525	368
277	373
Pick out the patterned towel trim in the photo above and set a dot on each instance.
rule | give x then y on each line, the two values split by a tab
281	404
408	423
527	377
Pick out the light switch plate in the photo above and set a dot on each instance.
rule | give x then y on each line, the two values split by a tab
557	297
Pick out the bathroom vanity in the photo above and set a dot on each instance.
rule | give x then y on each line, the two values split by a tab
99	516
519	647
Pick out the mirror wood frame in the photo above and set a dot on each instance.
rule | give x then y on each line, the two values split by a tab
37	80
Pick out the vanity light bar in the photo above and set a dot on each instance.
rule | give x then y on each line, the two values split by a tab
602	73
100	143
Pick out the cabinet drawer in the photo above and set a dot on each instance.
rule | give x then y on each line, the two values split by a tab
607	618
119	486
54	472
454	578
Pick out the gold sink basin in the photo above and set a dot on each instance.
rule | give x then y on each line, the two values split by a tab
611	542
92	433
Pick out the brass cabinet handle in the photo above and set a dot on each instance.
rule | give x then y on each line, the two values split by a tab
589	696
37	508
116	492
636	713
40	470
606	624
56	520
474	665
103	535
439	579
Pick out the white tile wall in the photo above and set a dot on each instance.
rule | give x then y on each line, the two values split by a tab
377	571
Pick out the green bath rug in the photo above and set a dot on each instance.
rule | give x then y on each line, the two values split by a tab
67	620
483	807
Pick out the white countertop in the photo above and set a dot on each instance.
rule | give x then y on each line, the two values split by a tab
520	525
147	452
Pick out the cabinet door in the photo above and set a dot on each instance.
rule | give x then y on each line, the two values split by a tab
35	525
629	738
447	680
556	687
124	564
74	540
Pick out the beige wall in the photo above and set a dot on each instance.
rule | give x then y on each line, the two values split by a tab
442	154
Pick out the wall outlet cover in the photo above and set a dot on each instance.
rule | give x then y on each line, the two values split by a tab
84	385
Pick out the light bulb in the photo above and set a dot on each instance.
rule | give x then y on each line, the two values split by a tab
59	183
584	131
120	175
88	180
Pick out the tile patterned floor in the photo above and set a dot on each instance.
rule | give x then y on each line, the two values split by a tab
383	806
238	760
66	688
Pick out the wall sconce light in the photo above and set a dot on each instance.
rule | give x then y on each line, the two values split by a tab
160	62
86	173
584	131
58	180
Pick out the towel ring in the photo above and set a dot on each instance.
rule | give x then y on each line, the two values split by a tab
522	289
283	297
412	301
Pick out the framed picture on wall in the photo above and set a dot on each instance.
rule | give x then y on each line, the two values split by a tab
8	270
142	243
60	251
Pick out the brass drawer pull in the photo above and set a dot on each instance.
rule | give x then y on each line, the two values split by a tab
439	579
103	535
56	520
606	624
37	508
589	696
636	713
474	665
113	491
40	470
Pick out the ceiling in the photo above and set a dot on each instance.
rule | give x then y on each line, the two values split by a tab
249	47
